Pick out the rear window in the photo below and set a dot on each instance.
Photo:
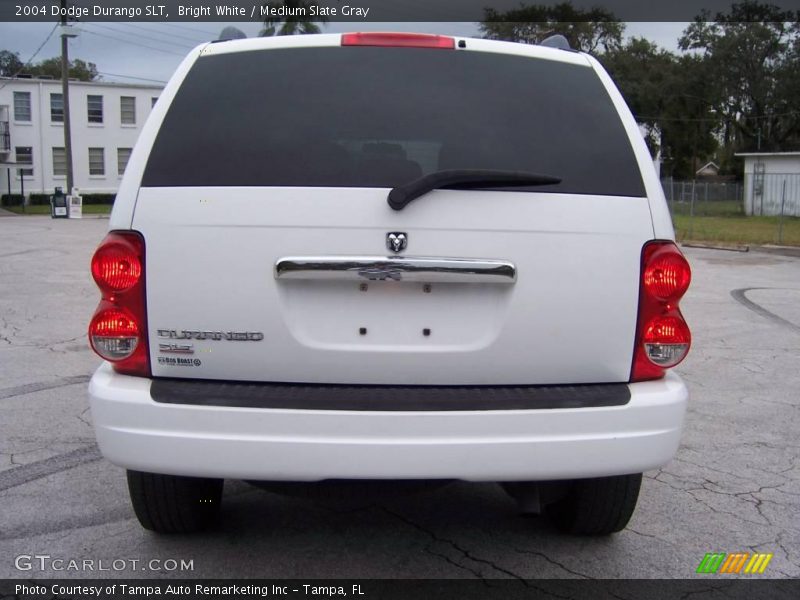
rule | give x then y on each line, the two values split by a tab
381	117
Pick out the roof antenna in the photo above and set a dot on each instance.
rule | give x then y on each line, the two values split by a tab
556	41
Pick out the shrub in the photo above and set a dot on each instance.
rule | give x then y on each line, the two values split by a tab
11	200
98	198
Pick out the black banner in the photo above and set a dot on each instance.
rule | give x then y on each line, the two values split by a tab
711	587
341	10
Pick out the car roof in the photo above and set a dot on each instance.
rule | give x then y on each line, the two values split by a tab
334	39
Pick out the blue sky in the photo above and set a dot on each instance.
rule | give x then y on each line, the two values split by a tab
151	51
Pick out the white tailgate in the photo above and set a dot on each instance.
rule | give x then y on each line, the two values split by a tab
568	318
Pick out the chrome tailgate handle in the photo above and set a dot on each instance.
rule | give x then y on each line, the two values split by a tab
396	268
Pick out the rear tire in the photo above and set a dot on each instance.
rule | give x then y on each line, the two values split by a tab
598	506
173	504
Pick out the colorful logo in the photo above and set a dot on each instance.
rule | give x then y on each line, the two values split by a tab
736	563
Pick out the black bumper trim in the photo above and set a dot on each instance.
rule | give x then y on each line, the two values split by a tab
386	398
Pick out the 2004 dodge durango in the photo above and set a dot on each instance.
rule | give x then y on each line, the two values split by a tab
378	256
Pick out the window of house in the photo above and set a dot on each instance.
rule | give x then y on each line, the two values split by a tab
25	157
127	110
56	108
123	155
22	106
59	162
97	161
94	106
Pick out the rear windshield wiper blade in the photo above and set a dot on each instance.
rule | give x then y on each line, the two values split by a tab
463	178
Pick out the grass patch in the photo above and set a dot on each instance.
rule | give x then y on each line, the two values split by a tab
716	208
88	209
737	230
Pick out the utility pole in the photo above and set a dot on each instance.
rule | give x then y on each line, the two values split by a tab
65	35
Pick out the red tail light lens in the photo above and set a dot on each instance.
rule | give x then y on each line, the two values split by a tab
114	334
116	266
666	341
401	40
667	274
118	329
663	338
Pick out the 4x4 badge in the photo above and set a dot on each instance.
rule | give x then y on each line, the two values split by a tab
396	241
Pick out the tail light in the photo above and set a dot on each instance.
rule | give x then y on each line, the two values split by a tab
118	329
662	335
402	40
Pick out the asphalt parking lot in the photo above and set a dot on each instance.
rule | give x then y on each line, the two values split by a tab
734	486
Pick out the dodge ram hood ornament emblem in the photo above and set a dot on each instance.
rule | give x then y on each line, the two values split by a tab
396	241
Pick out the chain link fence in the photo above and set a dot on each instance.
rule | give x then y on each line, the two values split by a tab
762	209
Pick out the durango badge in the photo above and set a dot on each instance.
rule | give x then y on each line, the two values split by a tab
195	334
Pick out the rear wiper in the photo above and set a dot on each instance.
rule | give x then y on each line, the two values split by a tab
463	178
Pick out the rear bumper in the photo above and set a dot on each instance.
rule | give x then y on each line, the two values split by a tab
289	444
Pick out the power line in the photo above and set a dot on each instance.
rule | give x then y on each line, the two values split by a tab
174	26
23	67
134	43
193	40
715	120
130	77
138	36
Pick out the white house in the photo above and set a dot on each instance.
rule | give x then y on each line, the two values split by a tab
106	119
771	180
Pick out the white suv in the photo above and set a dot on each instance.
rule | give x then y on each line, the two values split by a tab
389	256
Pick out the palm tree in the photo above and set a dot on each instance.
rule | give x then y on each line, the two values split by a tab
295	22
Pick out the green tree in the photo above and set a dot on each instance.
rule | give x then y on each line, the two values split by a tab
297	22
10	64
643	72
51	67
690	121
753	54
668	93
592	30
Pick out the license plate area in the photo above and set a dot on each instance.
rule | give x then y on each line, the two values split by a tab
393	315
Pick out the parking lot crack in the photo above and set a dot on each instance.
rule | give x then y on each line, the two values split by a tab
782	546
553	562
463	551
692	491
81	419
705	467
450	561
647	535
716	510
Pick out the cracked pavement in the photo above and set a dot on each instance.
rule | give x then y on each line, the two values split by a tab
734	485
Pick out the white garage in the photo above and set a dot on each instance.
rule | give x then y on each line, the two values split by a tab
771	183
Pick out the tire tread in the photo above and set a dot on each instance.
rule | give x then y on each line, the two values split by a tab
599	506
171	503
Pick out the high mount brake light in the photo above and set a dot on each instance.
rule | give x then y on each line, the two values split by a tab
663	338
118	329
399	40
